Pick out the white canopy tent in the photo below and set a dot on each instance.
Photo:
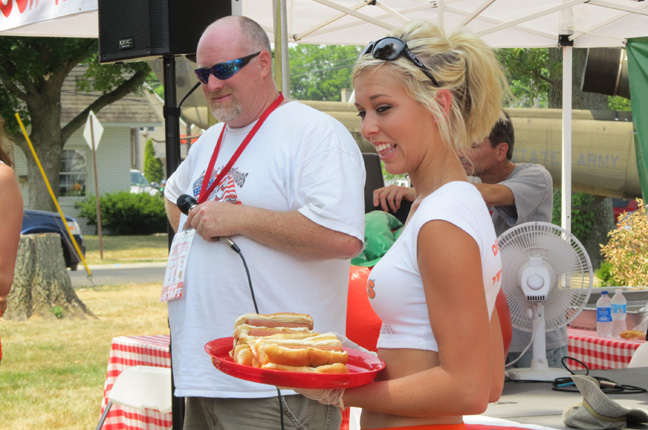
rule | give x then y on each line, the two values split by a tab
500	23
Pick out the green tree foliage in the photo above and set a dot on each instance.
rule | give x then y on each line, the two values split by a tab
530	75
32	72
123	213
320	72
619	103
535	73
153	169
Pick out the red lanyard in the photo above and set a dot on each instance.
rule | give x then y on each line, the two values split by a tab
204	191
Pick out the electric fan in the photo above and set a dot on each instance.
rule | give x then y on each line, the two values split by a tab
547	279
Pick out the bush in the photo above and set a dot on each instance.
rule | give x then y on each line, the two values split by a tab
123	213
605	276
627	250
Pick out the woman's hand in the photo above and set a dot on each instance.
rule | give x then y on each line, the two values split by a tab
332	396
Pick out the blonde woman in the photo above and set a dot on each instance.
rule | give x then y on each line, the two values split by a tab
423	97
10	220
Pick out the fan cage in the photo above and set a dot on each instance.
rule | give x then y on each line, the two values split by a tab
568	258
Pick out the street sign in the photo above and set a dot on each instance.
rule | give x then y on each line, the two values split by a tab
92	131
92	134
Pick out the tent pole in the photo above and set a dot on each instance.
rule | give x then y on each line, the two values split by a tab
285	73
282	75
278	45
172	146
566	139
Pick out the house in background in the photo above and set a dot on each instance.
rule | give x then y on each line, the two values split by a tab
120	148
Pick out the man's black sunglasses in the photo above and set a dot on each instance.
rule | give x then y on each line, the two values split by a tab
223	70
390	48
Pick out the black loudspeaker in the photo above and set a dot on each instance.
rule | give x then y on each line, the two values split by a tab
137	29
606	72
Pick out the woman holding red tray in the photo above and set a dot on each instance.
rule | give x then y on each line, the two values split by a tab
424	98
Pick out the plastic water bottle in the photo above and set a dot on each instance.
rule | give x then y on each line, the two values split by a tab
604	315
619	305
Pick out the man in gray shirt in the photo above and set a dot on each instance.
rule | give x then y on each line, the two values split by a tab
515	193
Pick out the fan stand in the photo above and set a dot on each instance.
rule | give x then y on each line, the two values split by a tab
539	370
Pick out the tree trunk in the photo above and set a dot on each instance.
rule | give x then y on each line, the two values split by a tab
41	285
580	99
598	236
49	155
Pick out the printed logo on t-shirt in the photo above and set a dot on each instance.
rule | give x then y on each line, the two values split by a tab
225	191
495	248
498	276
371	293
387	329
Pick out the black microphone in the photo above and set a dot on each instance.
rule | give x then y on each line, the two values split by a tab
186	203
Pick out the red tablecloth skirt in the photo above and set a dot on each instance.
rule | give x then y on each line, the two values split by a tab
127	351
599	352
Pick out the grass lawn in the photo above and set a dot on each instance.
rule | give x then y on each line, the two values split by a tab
53	371
126	249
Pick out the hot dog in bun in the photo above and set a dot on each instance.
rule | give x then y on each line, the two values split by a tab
281	319
632	334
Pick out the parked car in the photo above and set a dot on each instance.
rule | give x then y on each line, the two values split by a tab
139	184
622	207
50	222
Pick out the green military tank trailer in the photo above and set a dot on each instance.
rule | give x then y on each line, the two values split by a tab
603	154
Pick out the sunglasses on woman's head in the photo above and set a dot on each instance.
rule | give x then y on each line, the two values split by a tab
224	70
390	48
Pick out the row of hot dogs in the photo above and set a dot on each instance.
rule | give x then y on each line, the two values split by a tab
286	342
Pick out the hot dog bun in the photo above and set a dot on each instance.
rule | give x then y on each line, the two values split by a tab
329	368
317	350
280	319
245	330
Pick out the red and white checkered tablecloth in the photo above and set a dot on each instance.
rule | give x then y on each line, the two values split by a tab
599	352
584	345
127	351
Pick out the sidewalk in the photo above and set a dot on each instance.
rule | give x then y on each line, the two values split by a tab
94	267
119	274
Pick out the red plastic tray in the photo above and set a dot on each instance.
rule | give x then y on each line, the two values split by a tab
362	369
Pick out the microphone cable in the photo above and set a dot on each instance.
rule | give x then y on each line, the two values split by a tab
186	203
229	242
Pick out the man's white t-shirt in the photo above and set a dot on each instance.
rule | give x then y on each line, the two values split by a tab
300	159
